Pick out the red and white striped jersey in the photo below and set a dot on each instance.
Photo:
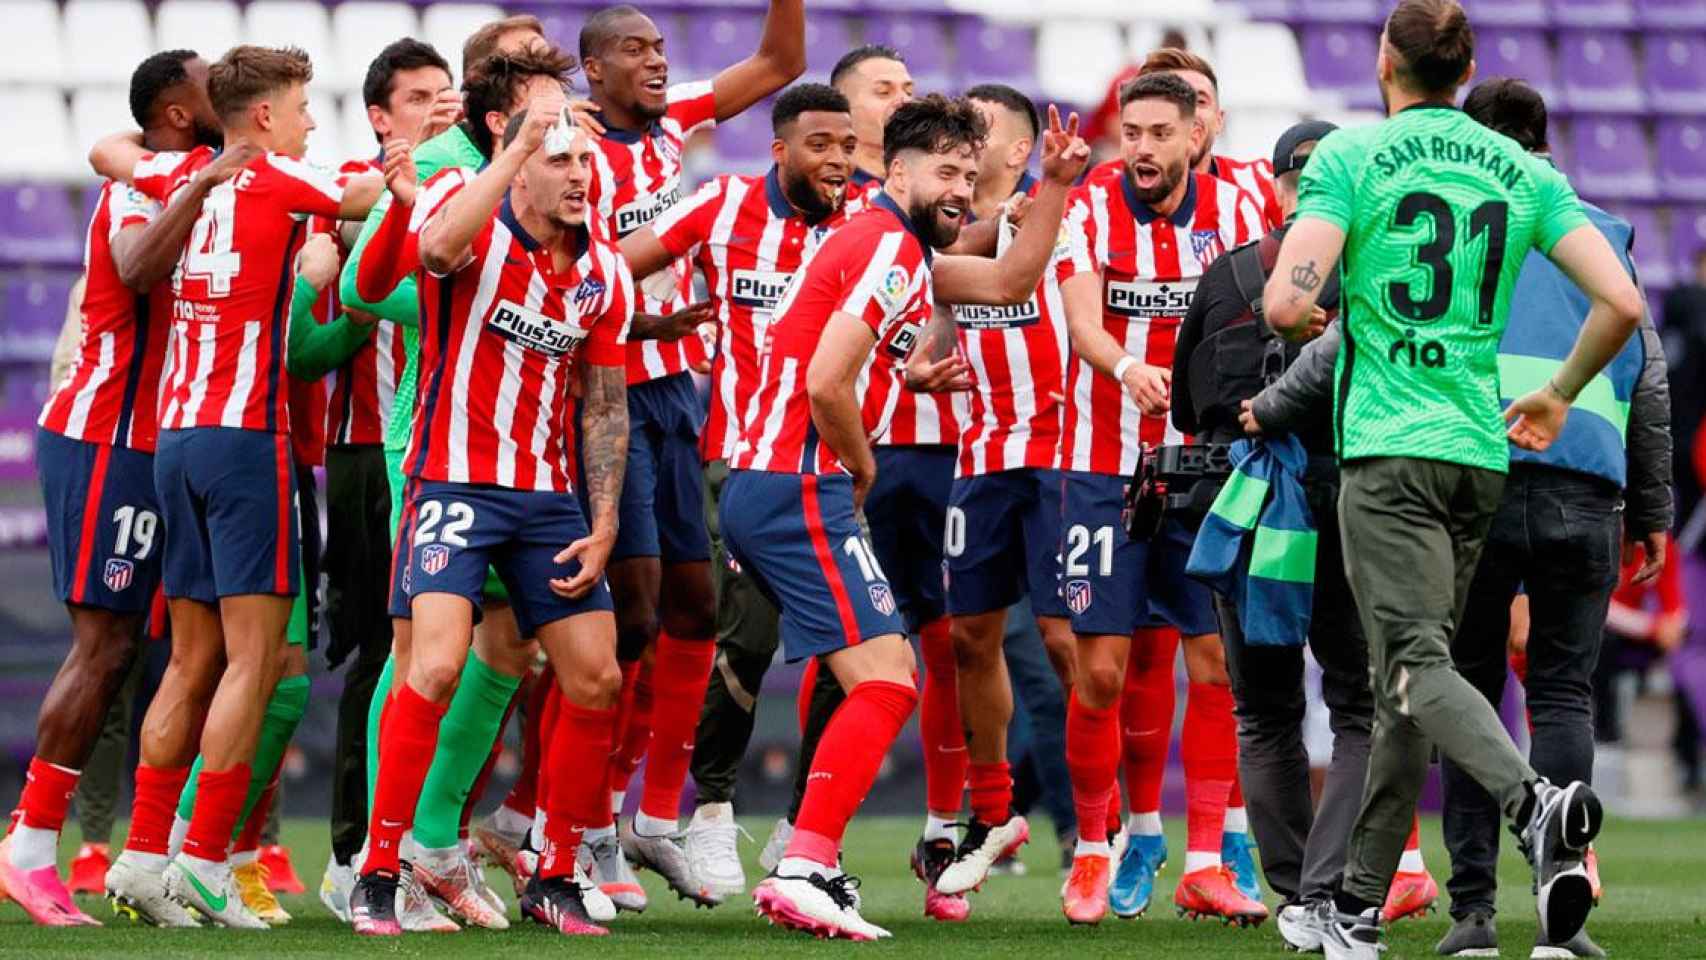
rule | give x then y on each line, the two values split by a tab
637	177
748	240
231	317
1254	177
1148	265
909	418
111	392
1017	356
873	267
359	393
500	337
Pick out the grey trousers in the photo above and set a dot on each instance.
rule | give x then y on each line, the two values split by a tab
1413	531
1303	848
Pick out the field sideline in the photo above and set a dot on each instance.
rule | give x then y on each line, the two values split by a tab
1655	906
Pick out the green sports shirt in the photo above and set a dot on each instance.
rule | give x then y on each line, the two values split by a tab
1439	213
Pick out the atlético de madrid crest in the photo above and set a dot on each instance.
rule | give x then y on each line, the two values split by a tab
1078	595
434	558
882	598
118	575
1207	246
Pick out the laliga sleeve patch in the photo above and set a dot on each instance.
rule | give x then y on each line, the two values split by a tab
891	292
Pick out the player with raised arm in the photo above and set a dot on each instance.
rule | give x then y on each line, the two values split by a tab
95	453
660	569
1138	242
803	464
526	292
1434	216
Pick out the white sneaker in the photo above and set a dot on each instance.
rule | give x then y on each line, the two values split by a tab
1563	822
1117	843
454	883
1300	927
777	845
712	849
1348	937
138	891
603	861
600	907
336	885
205	887
982	845
414	906
818	904
667	857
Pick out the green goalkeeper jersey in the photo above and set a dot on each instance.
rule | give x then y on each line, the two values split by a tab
1439	213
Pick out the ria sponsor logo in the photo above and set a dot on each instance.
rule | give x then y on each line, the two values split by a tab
758	289
644	210
1149	300
534	330
982	317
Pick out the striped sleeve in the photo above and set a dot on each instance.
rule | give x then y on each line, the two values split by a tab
158	174
1080	239
304	187
606	344
883	284
694	106
128	207
683	227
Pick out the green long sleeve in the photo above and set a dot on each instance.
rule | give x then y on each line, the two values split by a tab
316	349
401	305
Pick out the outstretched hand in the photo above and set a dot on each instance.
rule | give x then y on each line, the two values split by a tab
1065	154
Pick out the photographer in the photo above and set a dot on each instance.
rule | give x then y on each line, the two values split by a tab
1225	354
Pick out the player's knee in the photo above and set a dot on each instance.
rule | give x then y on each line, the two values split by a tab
598	687
434	678
974	649
1099	683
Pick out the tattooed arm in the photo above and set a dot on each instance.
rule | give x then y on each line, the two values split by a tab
1310	252
604	445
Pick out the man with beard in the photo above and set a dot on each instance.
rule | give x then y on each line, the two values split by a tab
660	571
96	453
803	464
1256	176
1137	244
748	235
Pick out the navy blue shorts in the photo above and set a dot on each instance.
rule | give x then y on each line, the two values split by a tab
457	530
228	498
1003	542
797	537
103	523
1112	584
662	510
907	511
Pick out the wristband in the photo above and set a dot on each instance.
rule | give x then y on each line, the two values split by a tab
1557	391
1126	363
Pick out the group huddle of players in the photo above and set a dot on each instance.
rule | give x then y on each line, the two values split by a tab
930	375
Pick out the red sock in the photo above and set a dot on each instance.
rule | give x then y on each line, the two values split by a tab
219	796
405	754
581	739
633	724
157	792
1415	841
991	792
1114	807
944	734
1146	715
249	835
1092	760
682	671
522	797
47	794
803	698
1210	752
548	720
851	752
1236	797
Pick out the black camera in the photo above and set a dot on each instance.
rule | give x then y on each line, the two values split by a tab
1180	479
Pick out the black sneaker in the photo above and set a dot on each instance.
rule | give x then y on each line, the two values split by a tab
982	845
1349	936
556	903
373	905
1562	821
930	858
1474	935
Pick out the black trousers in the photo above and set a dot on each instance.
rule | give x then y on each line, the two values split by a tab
357	565
1556	535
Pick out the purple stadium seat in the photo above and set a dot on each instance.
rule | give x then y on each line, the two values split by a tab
32	310
1612	159
1670	14
1341	11
1682	158
1597	72
743	142
25	392
994	53
1285	10
39	225
1507	13
718	38
923	40
827	39
1593	13
1687	237
1676	72
1340	58
1518	53
1652	262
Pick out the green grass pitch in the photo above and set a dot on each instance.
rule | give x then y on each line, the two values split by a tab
1655	906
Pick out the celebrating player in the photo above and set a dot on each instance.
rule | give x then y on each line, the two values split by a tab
875	81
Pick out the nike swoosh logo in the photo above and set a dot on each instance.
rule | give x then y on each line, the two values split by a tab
390	824
950	749
216	903
1587	820
1140	733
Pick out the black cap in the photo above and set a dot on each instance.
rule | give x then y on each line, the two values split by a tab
1285	150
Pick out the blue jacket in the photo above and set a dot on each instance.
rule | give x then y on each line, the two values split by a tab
1256	547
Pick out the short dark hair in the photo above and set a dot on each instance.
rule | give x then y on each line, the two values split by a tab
1161	86
1010	98
405	54
933	124
858	55
1509	106
1177	60
805	97
599	29
1434	43
492	83
154	76
483	42
248	73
